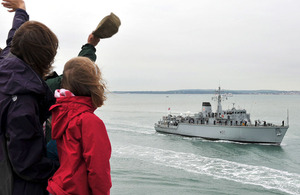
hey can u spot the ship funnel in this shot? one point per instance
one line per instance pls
(206, 108)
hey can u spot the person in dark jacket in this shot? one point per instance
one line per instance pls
(25, 100)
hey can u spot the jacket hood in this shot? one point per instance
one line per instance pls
(19, 78)
(65, 109)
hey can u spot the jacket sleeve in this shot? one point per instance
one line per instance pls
(25, 141)
(96, 153)
(54, 83)
(20, 17)
(88, 51)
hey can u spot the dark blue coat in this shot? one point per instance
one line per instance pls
(24, 106)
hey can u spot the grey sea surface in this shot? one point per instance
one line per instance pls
(146, 162)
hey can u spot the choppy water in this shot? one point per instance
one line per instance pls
(146, 162)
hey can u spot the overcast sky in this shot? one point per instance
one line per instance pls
(172, 44)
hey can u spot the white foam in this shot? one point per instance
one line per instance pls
(129, 124)
(218, 168)
(140, 131)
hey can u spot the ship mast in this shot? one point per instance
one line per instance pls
(219, 109)
(219, 98)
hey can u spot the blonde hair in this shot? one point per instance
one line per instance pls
(83, 78)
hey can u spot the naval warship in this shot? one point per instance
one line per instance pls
(231, 125)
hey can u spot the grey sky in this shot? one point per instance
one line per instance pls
(172, 44)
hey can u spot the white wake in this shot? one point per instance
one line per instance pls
(217, 168)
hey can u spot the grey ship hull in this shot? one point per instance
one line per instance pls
(248, 134)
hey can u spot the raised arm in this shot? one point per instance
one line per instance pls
(21, 16)
(89, 50)
(13, 5)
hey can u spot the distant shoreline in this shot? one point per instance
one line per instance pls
(213, 91)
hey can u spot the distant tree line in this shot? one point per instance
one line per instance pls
(212, 91)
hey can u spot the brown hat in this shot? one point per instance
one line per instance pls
(108, 26)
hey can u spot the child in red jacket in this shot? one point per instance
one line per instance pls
(83, 145)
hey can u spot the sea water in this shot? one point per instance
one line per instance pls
(146, 162)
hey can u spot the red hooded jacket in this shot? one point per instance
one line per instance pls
(83, 148)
